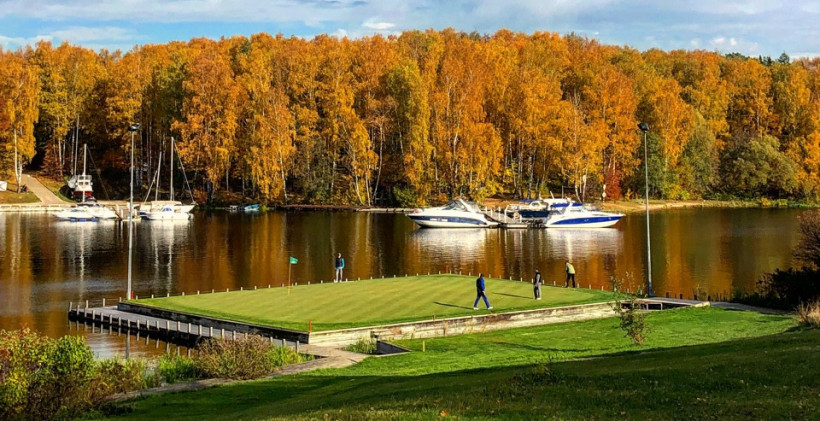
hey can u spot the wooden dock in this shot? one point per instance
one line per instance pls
(188, 334)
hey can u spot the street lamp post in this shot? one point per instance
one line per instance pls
(133, 129)
(645, 128)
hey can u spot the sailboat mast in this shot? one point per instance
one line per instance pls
(171, 165)
(85, 152)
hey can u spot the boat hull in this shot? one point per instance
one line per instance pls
(430, 221)
(585, 222)
(166, 216)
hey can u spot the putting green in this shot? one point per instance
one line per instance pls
(371, 302)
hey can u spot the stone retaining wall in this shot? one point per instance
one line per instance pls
(463, 325)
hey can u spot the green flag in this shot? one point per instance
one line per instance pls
(293, 260)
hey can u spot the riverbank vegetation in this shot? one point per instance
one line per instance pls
(371, 302)
(414, 118)
(43, 378)
(697, 363)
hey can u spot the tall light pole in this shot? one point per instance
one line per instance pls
(645, 128)
(133, 129)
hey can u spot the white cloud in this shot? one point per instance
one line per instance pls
(13, 43)
(84, 34)
(378, 26)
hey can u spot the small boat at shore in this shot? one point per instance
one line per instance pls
(576, 215)
(456, 214)
(75, 214)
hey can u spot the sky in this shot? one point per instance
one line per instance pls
(751, 27)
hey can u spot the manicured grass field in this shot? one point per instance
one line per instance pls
(371, 302)
(697, 364)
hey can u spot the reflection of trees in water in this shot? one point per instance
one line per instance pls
(584, 243)
(451, 247)
(164, 238)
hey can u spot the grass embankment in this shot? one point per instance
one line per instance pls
(56, 187)
(371, 302)
(11, 197)
(696, 364)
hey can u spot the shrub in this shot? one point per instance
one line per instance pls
(808, 250)
(43, 378)
(116, 375)
(809, 314)
(282, 355)
(245, 358)
(174, 368)
(632, 319)
(363, 346)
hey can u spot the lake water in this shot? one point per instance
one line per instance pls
(45, 264)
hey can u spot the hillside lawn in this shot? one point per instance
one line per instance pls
(371, 302)
(698, 363)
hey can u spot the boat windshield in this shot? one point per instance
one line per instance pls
(455, 205)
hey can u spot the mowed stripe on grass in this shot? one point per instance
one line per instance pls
(371, 302)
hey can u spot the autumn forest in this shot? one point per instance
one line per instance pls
(416, 118)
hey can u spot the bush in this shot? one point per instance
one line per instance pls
(363, 346)
(116, 375)
(245, 358)
(282, 355)
(43, 378)
(809, 314)
(174, 368)
(632, 319)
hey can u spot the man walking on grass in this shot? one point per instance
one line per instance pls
(339, 264)
(536, 285)
(480, 292)
(570, 275)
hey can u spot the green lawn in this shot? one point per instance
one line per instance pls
(697, 364)
(371, 302)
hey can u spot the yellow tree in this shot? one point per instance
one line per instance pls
(345, 137)
(270, 124)
(19, 90)
(209, 111)
(748, 83)
(468, 148)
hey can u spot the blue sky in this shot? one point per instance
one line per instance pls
(753, 27)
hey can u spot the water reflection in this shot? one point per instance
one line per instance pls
(581, 244)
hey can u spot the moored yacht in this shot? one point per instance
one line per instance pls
(75, 214)
(577, 216)
(98, 210)
(456, 214)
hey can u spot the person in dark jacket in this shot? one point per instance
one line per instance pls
(339, 264)
(480, 292)
(536, 284)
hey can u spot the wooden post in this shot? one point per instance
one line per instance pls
(197, 292)
(167, 294)
(183, 293)
(189, 328)
(103, 302)
(200, 330)
(241, 288)
(86, 304)
(211, 332)
(297, 346)
(222, 334)
(152, 296)
(167, 325)
(233, 335)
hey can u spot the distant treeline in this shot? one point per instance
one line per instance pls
(419, 117)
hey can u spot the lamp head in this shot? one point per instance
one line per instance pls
(644, 127)
(134, 127)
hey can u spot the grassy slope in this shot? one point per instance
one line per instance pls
(699, 363)
(11, 197)
(371, 302)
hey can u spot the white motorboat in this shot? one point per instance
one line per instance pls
(167, 213)
(456, 214)
(98, 210)
(75, 214)
(578, 216)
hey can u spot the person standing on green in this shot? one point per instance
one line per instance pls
(536, 284)
(339, 264)
(570, 275)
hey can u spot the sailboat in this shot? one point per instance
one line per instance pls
(81, 183)
(170, 210)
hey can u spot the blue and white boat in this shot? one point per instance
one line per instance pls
(535, 209)
(575, 215)
(456, 214)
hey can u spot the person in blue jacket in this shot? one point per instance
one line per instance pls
(339, 264)
(480, 292)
